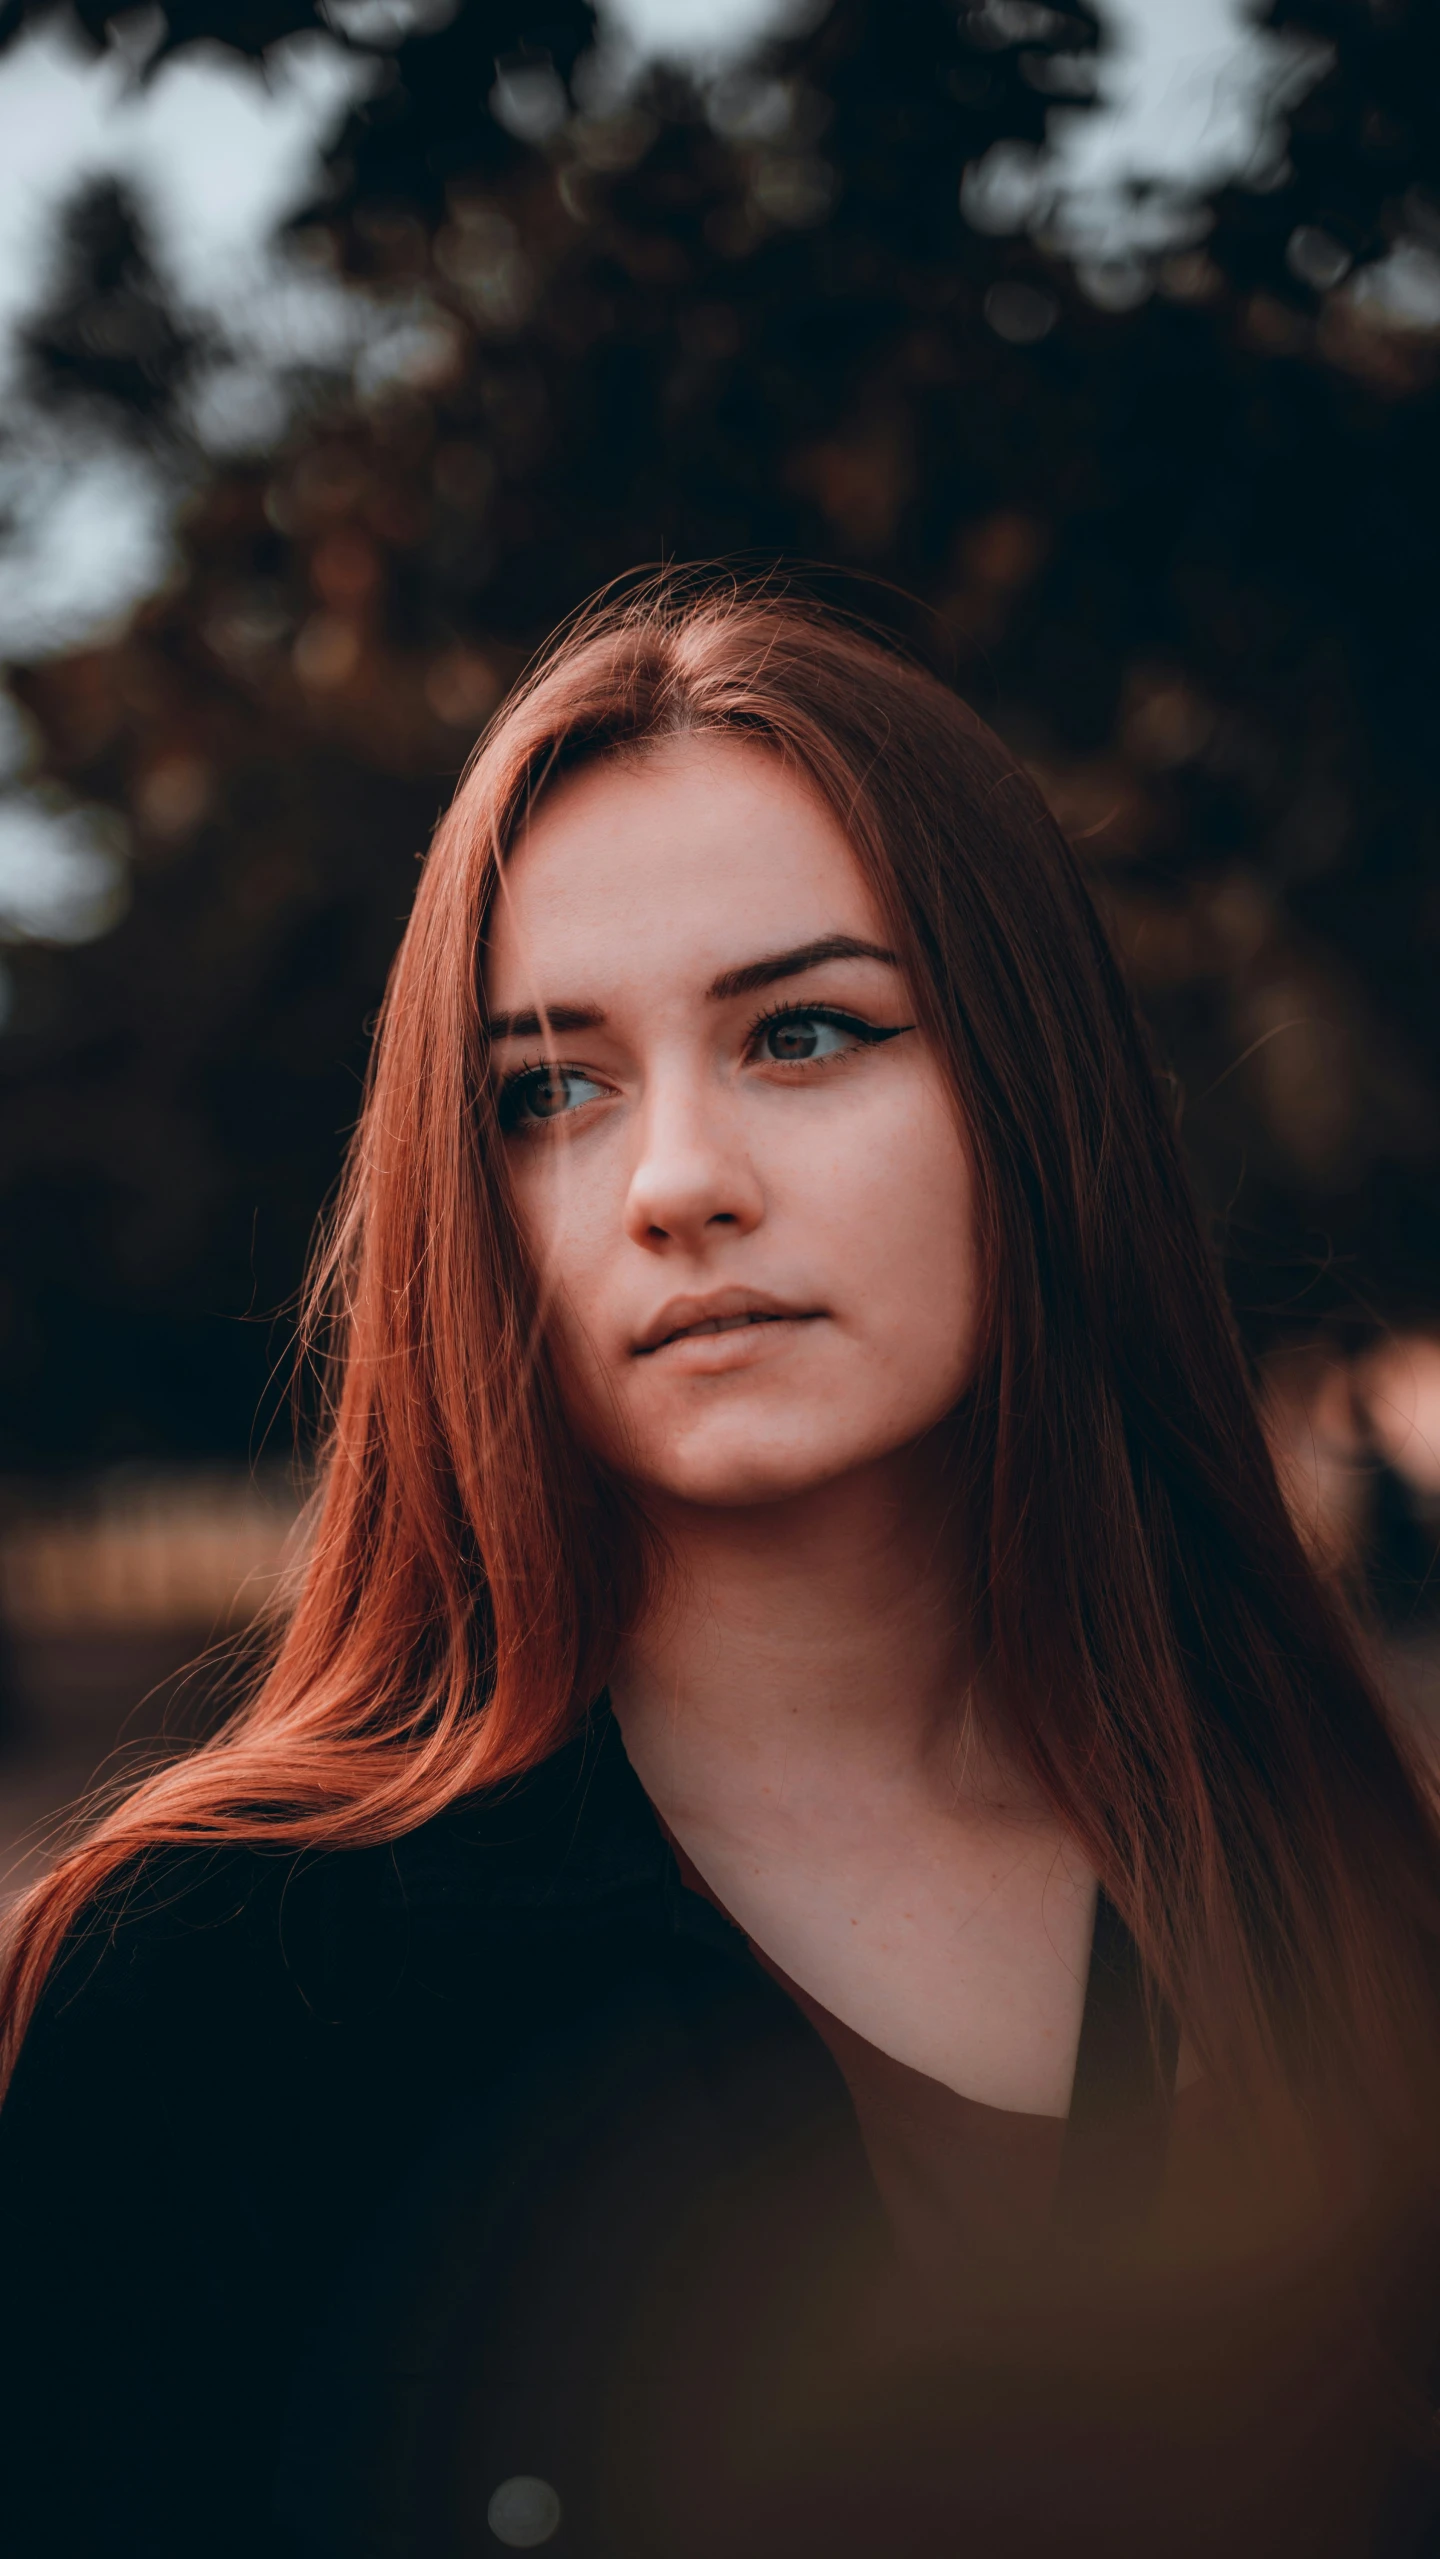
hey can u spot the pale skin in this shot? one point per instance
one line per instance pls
(690, 1146)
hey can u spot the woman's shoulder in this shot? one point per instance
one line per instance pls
(204, 1986)
(184, 1942)
(173, 1935)
(216, 1925)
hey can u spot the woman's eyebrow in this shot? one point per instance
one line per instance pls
(531, 1025)
(810, 955)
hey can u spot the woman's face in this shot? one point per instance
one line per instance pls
(736, 1159)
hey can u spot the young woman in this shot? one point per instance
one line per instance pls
(815, 1942)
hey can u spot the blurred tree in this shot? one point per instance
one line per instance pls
(107, 340)
(1176, 533)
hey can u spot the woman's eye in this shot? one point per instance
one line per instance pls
(792, 1039)
(546, 1093)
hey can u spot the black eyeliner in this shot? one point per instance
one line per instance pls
(872, 1033)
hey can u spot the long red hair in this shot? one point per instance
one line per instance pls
(1183, 1690)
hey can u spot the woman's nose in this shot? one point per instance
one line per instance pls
(694, 1175)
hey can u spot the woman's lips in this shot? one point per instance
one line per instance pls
(731, 1329)
(727, 1341)
(718, 1311)
(720, 1324)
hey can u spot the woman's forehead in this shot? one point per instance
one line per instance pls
(684, 864)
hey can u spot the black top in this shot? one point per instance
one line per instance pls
(340, 2194)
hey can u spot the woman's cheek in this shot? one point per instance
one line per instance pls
(557, 1221)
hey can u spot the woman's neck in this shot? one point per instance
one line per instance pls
(798, 1707)
(809, 1644)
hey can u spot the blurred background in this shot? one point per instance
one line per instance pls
(344, 348)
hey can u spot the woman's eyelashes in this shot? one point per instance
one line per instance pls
(535, 1095)
(812, 1034)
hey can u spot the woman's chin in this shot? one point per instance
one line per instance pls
(723, 1473)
